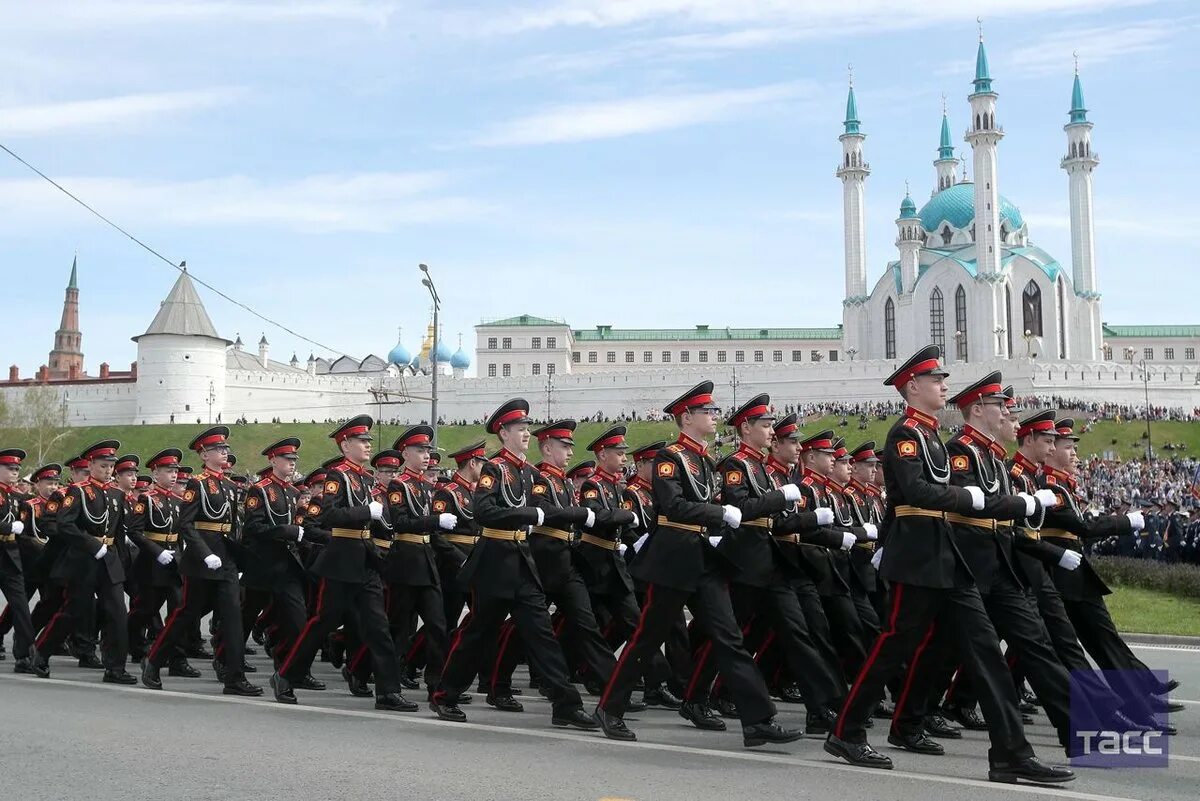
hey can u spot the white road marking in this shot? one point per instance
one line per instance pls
(1054, 791)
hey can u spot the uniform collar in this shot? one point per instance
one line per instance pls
(637, 481)
(776, 466)
(928, 421)
(986, 441)
(96, 483)
(557, 472)
(1025, 464)
(512, 458)
(459, 478)
(751, 453)
(1059, 475)
(208, 473)
(699, 448)
(352, 467)
(817, 478)
(414, 475)
(6, 487)
(604, 475)
(858, 486)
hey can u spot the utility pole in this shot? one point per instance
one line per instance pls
(1146, 388)
(427, 281)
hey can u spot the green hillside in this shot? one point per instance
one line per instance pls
(1125, 438)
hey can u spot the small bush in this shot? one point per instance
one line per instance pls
(1181, 580)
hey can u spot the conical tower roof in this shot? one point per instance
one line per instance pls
(182, 313)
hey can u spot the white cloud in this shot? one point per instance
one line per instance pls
(1052, 54)
(374, 202)
(109, 113)
(89, 14)
(607, 119)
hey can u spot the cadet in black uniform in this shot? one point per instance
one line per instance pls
(90, 521)
(930, 582)
(31, 545)
(209, 570)
(502, 578)
(12, 574)
(680, 566)
(454, 497)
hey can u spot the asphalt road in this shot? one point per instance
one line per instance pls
(71, 737)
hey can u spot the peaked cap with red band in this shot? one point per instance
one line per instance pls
(12, 456)
(757, 408)
(865, 453)
(926, 361)
(1037, 423)
(821, 441)
(511, 411)
(77, 463)
(1010, 396)
(209, 438)
(788, 427)
(649, 451)
(1064, 428)
(698, 397)
(582, 470)
(612, 438)
(476, 450)
(420, 436)
(560, 429)
(50, 471)
(990, 386)
(285, 447)
(357, 427)
(185, 471)
(839, 450)
(387, 459)
(101, 450)
(435, 458)
(127, 463)
(143, 482)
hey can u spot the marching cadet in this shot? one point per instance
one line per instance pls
(455, 497)
(154, 528)
(601, 560)
(761, 588)
(502, 577)
(90, 521)
(12, 575)
(208, 569)
(125, 479)
(410, 567)
(930, 580)
(31, 544)
(273, 573)
(680, 566)
(348, 566)
(863, 490)
(848, 514)
(1082, 588)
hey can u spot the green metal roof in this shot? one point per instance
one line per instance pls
(945, 148)
(908, 209)
(1151, 330)
(983, 76)
(527, 320)
(1078, 112)
(851, 121)
(702, 334)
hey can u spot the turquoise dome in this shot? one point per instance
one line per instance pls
(399, 355)
(442, 354)
(908, 208)
(956, 205)
(460, 360)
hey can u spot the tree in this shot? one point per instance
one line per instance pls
(41, 416)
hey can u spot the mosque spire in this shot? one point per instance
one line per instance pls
(851, 121)
(983, 75)
(1078, 110)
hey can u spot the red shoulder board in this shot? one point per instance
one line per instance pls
(497, 460)
(806, 481)
(1016, 470)
(676, 448)
(964, 439)
(911, 423)
(1051, 480)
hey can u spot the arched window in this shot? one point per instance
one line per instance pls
(1031, 309)
(960, 322)
(978, 124)
(889, 329)
(1062, 321)
(937, 319)
(947, 235)
(1008, 317)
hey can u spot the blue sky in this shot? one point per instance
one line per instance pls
(568, 158)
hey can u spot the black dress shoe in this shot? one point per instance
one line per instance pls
(724, 707)
(662, 697)
(248, 668)
(40, 664)
(859, 754)
(447, 710)
(250, 651)
(884, 711)
(790, 694)
(199, 652)
(757, 734)
(938, 726)
(614, 728)
(820, 720)
(308, 682)
(358, 687)
(395, 702)
(1026, 719)
(1172, 685)
(219, 669)
(118, 677)
(967, 718)
(1026, 708)
(91, 662)
(1161, 705)
(183, 669)
(916, 742)
(1028, 697)
(576, 719)
(701, 716)
(1030, 769)
(150, 678)
(257, 636)
(23, 666)
(635, 706)
(465, 698)
(505, 703)
(282, 689)
(408, 682)
(239, 686)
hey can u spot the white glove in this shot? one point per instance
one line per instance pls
(541, 516)
(848, 541)
(714, 541)
(824, 516)
(1070, 560)
(637, 521)
(165, 558)
(1047, 498)
(1030, 503)
(622, 548)
(376, 510)
(591, 519)
(977, 498)
(101, 553)
(447, 521)
(300, 534)
(637, 545)
(732, 516)
(872, 531)
(18, 527)
(212, 562)
(791, 492)
(1137, 520)
(877, 558)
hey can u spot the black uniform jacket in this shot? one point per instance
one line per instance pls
(598, 555)
(91, 516)
(1067, 528)
(497, 568)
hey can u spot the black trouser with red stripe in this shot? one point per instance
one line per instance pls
(13, 586)
(711, 607)
(334, 600)
(404, 604)
(846, 631)
(143, 610)
(531, 622)
(625, 613)
(916, 613)
(79, 604)
(200, 596)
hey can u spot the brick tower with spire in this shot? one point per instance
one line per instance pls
(66, 360)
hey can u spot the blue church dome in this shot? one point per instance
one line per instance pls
(460, 360)
(442, 354)
(956, 205)
(399, 355)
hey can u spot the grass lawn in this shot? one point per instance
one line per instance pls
(1150, 612)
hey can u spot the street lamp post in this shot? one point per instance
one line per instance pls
(1146, 389)
(549, 387)
(212, 398)
(427, 281)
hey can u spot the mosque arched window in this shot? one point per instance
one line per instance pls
(889, 329)
(960, 323)
(937, 319)
(978, 123)
(1031, 309)
(947, 235)
(1008, 316)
